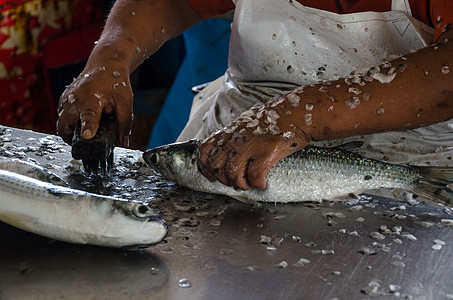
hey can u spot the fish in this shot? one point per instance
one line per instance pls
(75, 216)
(311, 174)
(31, 170)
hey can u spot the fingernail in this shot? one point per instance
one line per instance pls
(87, 134)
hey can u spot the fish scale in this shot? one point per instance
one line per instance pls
(311, 174)
(328, 173)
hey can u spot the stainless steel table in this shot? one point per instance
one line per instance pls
(370, 247)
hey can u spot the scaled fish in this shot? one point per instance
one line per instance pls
(311, 174)
(30, 169)
(75, 216)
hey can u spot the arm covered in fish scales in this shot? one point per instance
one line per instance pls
(409, 92)
(134, 30)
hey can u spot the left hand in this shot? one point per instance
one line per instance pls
(240, 156)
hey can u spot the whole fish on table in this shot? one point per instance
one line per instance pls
(76, 216)
(311, 174)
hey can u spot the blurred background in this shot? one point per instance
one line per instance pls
(45, 44)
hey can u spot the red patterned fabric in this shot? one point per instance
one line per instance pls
(25, 28)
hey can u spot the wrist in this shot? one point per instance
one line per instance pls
(109, 56)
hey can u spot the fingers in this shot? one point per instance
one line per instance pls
(89, 121)
(244, 162)
(66, 124)
(257, 171)
(87, 98)
(204, 152)
(228, 162)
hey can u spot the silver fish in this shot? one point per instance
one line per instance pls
(311, 174)
(76, 216)
(31, 170)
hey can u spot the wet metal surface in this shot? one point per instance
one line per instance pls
(218, 248)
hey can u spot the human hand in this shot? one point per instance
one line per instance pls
(241, 154)
(95, 91)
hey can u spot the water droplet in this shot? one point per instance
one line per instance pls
(184, 283)
(133, 13)
(309, 106)
(154, 271)
(445, 70)
(330, 108)
(116, 74)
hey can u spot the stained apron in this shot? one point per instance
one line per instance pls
(277, 45)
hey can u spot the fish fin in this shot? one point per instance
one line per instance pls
(241, 198)
(351, 145)
(435, 184)
(343, 198)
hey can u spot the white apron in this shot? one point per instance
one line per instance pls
(277, 45)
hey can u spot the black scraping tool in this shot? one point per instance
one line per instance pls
(97, 153)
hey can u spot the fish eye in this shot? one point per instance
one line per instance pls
(154, 158)
(142, 210)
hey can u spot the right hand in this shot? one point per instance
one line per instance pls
(95, 91)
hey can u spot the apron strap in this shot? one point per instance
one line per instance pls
(403, 6)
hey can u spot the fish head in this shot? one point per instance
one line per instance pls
(174, 160)
(147, 225)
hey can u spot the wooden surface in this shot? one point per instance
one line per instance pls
(225, 249)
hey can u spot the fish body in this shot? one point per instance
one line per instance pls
(31, 170)
(76, 216)
(311, 174)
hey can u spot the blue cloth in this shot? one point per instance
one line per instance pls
(206, 59)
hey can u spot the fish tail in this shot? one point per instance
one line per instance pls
(435, 184)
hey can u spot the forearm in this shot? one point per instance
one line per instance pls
(420, 93)
(135, 30)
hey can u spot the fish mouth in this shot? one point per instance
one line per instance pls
(163, 225)
(159, 222)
